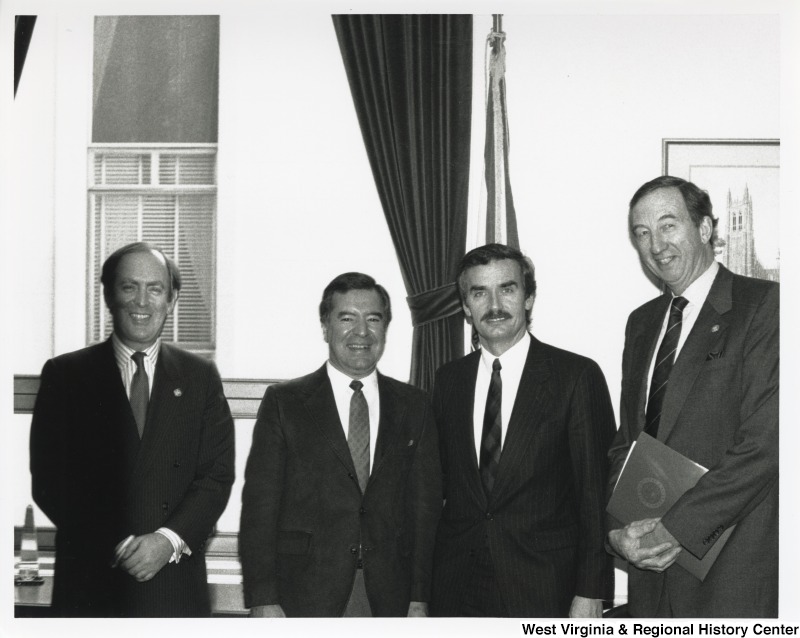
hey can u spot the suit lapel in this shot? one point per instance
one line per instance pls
(106, 381)
(645, 341)
(321, 407)
(391, 423)
(534, 396)
(463, 421)
(709, 330)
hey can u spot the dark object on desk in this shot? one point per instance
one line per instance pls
(27, 570)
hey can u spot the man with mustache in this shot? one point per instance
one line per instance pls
(524, 428)
(343, 486)
(132, 455)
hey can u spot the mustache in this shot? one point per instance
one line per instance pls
(495, 314)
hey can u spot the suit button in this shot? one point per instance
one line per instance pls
(353, 549)
(472, 553)
(176, 464)
(489, 516)
(362, 511)
(164, 505)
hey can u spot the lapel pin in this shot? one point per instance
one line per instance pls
(715, 328)
(177, 392)
(411, 442)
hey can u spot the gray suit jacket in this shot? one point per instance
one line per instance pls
(721, 411)
(304, 515)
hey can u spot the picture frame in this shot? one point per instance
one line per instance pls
(742, 177)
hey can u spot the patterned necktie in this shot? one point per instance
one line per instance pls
(492, 430)
(140, 392)
(358, 433)
(663, 366)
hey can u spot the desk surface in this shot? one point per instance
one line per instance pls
(224, 585)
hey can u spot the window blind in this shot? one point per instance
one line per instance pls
(165, 196)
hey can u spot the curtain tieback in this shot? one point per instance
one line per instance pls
(434, 304)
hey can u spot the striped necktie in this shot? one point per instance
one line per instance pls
(492, 430)
(664, 361)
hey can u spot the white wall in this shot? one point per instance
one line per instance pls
(297, 202)
(590, 98)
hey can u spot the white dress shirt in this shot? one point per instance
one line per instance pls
(127, 368)
(342, 393)
(512, 362)
(696, 295)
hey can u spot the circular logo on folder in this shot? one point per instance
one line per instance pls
(651, 492)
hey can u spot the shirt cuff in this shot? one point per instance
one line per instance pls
(178, 546)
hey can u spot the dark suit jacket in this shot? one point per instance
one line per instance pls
(721, 411)
(303, 513)
(544, 521)
(98, 482)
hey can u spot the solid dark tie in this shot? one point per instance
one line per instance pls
(492, 430)
(358, 433)
(663, 366)
(140, 392)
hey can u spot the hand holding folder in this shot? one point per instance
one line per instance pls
(652, 480)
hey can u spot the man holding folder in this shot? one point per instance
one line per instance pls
(700, 374)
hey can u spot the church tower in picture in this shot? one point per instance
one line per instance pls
(740, 252)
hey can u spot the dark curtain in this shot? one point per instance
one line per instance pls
(411, 81)
(23, 30)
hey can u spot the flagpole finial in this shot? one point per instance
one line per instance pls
(497, 22)
(496, 35)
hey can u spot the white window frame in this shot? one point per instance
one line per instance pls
(147, 185)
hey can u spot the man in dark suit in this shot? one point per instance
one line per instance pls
(343, 486)
(132, 455)
(524, 429)
(717, 404)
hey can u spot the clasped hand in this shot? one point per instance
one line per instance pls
(144, 556)
(646, 544)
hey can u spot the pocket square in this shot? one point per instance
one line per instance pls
(714, 354)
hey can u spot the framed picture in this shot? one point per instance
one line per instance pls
(742, 179)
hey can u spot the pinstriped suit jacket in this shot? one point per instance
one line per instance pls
(544, 521)
(721, 411)
(98, 482)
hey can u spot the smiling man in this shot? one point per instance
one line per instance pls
(700, 373)
(343, 486)
(524, 428)
(132, 455)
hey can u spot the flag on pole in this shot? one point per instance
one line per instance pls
(501, 221)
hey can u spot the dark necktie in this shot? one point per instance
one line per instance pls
(140, 392)
(358, 433)
(663, 366)
(492, 430)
